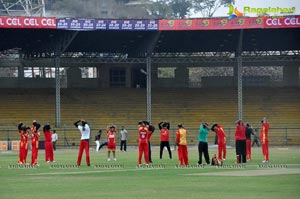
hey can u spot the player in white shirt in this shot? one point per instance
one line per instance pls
(54, 139)
(84, 142)
(123, 137)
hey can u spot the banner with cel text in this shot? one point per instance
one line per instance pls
(282, 22)
(27, 22)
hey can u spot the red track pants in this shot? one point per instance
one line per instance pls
(34, 152)
(221, 150)
(23, 152)
(143, 148)
(49, 151)
(183, 155)
(84, 145)
(265, 150)
(248, 149)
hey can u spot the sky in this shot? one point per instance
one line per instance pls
(240, 4)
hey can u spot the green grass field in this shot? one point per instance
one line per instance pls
(278, 179)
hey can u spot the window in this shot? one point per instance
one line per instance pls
(8, 72)
(88, 72)
(41, 72)
(117, 77)
(166, 72)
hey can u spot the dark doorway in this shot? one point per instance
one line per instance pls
(138, 78)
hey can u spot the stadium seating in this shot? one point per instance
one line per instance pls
(124, 106)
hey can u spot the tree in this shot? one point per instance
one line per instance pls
(133, 9)
(99, 9)
(209, 7)
(181, 8)
(171, 9)
(160, 9)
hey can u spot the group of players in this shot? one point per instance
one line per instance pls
(242, 137)
(25, 135)
(243, 141)
(145, 131)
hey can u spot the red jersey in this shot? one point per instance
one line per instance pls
(111, 137)
(35, 134)
(181, 136)
(164, 135)
(264, 132)
(143, 134)
(23, 135)
(221, 134)
(240, 132)
(149, 134)
(48, 136)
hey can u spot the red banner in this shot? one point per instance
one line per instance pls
(282, 22)
(226, 24)
(211, 24)
(27, 22)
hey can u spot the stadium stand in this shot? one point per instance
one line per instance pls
(124, 106)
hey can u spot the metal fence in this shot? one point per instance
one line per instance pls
(70, 137)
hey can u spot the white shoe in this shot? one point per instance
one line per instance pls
(115, 159)
(224, 159)
(108, 159)
(265, 161)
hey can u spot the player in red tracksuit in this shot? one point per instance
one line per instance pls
(240, 141)
(164, 128)
(48, 144)
(249, 132)
(151, 129)
(111, 142)
(143, 143)
(23, 150)
(181, 140)
(218, 129)
(34, 142)
(264, 139)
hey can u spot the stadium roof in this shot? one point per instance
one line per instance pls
(162, 40)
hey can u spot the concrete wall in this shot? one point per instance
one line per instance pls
(216, 81)
(291, 75)
(26, 83)
(248, 81)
